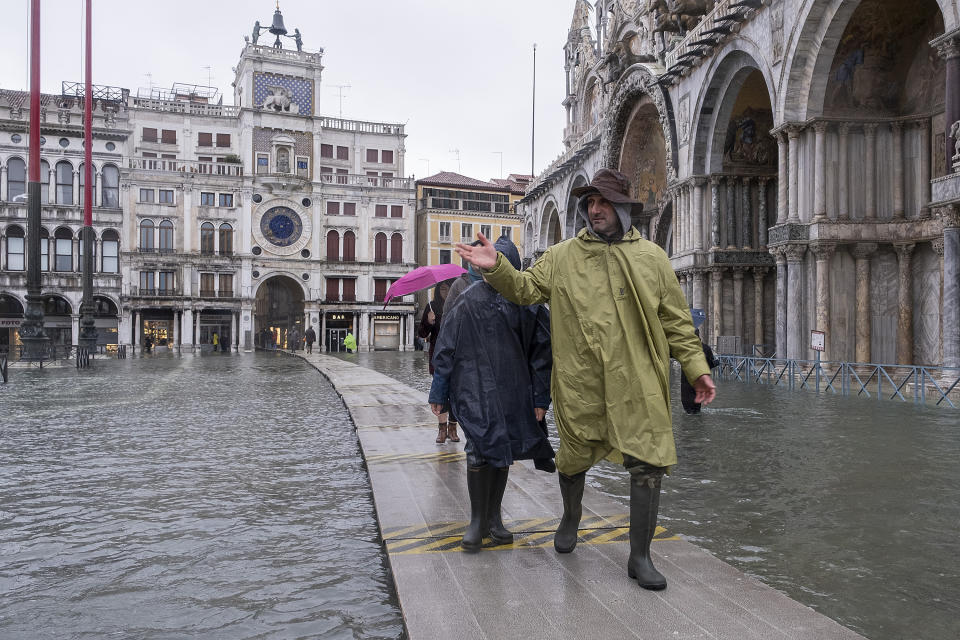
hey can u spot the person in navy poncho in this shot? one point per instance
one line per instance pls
(492, 366)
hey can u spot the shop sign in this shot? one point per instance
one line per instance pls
(338, 316)
(10, 323)
(390, 316)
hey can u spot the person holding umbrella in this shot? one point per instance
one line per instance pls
(429, 330)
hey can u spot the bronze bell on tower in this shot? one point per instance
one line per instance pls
(277, 28)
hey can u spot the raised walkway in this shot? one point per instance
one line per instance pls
(527, 590)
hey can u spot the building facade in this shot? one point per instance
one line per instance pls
(785, 152)
(251, 221)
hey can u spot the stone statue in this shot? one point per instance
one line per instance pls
(283, 161)
(298, 39)
(678, 16)
(955, 134)
(256, 31)
(279, 100)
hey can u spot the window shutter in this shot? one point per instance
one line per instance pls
(343, 153)
(372, 155)
(349, 289)
(333, 246)
(169, 136)
(380, 248)
(333, 289)
(349, 208)
(396, 248)
(205, 139)
(396, 211)
(223, 139)
(349, 247)
(386, 156)
(379, 289)
(149, 134)
(333, 208)
(381, 211)
(326, 150)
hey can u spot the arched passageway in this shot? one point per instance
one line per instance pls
(278, 312)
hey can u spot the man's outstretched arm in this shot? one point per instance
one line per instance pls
(520, 287)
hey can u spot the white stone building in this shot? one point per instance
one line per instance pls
(249, 221)
(785, 151)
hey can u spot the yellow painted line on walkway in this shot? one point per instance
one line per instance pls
(440, 456)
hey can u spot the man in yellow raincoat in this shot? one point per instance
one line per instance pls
(617, 315)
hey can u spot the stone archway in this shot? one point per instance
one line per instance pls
(551, 228)
(278, 311)
(574, 221)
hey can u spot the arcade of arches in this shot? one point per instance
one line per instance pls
(788, 167)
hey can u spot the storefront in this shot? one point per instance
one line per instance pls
(157, 329)
(11, 316)
(387, 334)
(337, 326)
(105, 321)
(215, 321)
(58, 321)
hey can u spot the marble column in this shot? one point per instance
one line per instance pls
(681, 218)
(783, 177)
(176, 331)
(820, 172)
(699, 281)
(716, 298)
(682, 279)
(738, 304)
(687, 208)
(323, 331)
(951, 294)
(762, 212)
(869, 167)
(781, 306)
(905, 300)
(843, 179)
(861, 254)
(234, 327)
(698, 213)
(137, 333)
(3, 183)
(923, 131)
(186, 333)
(746, 221)
(896, 129)
(823, 253)
(795, 342)
(75, 329)
(758, 275)
(731, 212)
(676, 221)
(793, 210)
(715, 212)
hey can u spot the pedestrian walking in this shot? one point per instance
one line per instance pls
(430, 323)
(617, 314)
(216, 341)
(350, 342)
(309, 338)
(499, 401)
(688, 395)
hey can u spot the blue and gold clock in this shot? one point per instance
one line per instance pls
(281, 227)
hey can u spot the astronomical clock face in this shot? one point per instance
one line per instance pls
(281, 229)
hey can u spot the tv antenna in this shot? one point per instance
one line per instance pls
(340, 88)
(456, 152)
(209, 75)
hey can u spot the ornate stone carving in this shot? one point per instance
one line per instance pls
(904, 250)
(863, 250)
(823, 250)
(787, 233)
(795, 252)
(949, 47)
(937, 245)
(949, 216)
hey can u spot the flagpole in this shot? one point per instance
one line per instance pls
(88, 333)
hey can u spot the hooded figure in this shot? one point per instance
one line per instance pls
(617, 313)
(495, 393)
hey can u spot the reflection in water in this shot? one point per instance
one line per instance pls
(849, 506)
(214, 496)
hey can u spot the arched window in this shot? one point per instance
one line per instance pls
(226, 239)
(93, 173)
(80, 250)
(333, 246)
(207, 237)
(111, 187)
(111, 252)
(104, 307)
(16, 256)
(56, 306)
(44, 182)
(63, 250)
(16, 178)
(166, 237)
(146, 235)
(396, 248)
(380, 247)
(10, 306)
(64, 182)
(349, 246)
(44, 249)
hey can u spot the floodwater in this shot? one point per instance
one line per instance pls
(849, 506)
(214, 496)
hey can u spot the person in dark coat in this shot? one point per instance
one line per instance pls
(429, 330)
(500, 395)
(687, 393)
(310, 337)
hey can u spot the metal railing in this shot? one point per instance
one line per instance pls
(907, 383)
(182, 106)
(174, 165)
(356, 180)
(83, 358)
(4, 370)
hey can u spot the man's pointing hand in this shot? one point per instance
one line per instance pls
(483, 256)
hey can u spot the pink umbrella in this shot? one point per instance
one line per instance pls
(422, 278)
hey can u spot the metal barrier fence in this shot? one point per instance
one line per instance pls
(4, 371)
(83, 358)
(921, 385)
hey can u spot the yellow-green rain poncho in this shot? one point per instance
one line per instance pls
(617, 314)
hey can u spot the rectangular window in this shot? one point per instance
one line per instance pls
(396, 211)
(206, 285)
(303, 166)
(223, 139)
(44, 253)
(372, 178)
(326, 174)
(326, 150)
(380, 289)
(207, 199)
(15, 254)
(386, 156)
(349, 289)
(149, 154)
(204, 139)
(466, 232)
(444, 256)
(111, 252)
(263, 163)
(486, 230)
(226, 285)
(445, 233)
(333, 289)
(165, 282)
(507, 232)
(146, 283)
(147, 195)
(166, 196)
(381, 211)
(349, 208)
(343, 153)
(333, 208)
(373, 155)
(168, 136)
(226, 199)
(149, 135)
(342, 176)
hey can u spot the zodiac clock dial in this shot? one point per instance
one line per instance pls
(281, 226)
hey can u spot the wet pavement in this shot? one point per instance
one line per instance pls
(213, 496)
(849, 506)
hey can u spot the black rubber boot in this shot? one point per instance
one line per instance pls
(498, 533)
(571, 490)
(644, 504)
(479, 480)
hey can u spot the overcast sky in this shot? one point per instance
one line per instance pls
(458, 73)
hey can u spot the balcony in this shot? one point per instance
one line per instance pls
(473, 206)
(208, 293)
(181, 106)
(355, 180)
(361, 126)
(167, 165)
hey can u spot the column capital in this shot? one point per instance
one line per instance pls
(760, 272)
(821, 126)
(715, 180)
(794, 252)
(897, 126)
(870, 128)
(843, 129)
(904, 249)
(778, 254)
(921, 123)
(793, 131)
(698, 181)
(738, 273)
(763, 180)
(747, 179)
(937, 245)
(823, 250)
(947, 45)
(716, 273)
(949, 216)
(863, 250)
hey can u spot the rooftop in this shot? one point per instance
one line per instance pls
(451, 179)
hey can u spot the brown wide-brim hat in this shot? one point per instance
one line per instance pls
(612, 185)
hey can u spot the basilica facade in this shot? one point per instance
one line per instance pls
(795, 160)
(251, 221)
